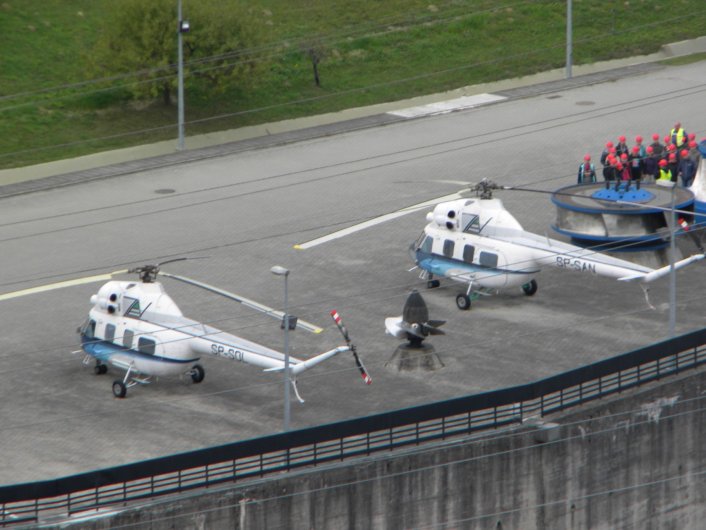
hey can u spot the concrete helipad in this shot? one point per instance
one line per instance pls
(242, 212)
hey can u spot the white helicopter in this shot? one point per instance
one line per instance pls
(138, 328)
(478, 243)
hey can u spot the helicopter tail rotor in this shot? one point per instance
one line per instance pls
(339, 322)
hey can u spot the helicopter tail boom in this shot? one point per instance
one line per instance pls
(301, 366)
(663, 271)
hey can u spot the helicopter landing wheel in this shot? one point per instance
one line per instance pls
(432, 284)
(463, 302)
(197, 373)
(530, 288)
(119, 389)
(100, 369)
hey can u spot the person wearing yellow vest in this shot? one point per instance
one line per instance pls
(678, 135)
(665, 173)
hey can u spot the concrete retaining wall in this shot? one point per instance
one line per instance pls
(633, 462)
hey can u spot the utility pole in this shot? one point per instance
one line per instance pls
(569, 37)
(183, 27)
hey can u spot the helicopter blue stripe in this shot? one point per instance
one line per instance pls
(104, 350)
(442, 265)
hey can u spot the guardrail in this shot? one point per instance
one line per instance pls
(27, 503)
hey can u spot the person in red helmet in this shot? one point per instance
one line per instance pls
(623, 170)
(650, 168)
(686, 169)
(606, 152)
(657, 146)
(622, 147)
(673, 165)
(636, 164)
(694, 152)
(665, 174)
(640, 146)
(609, 172)
(587, 171)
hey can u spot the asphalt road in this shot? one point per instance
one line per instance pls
(243, 212)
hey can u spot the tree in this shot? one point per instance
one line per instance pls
(139, 39)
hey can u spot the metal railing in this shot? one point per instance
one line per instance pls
(26, 503)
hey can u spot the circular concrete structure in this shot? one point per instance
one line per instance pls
(620, 219)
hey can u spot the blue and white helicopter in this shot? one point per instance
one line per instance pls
(136, 327)
(478, 243)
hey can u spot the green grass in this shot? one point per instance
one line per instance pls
(374, 51)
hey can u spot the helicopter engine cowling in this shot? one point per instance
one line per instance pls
(446, 216)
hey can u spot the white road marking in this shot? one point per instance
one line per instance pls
(444, 107)
(376, 221)
(60, 285)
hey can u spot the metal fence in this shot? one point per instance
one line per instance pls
(27, 503)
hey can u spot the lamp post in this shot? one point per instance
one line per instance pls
(672, 275)
(183, 28)
(569, 38)
(281, 271)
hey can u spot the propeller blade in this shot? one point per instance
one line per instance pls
(61, 285)
(339, 323)
(279, 315)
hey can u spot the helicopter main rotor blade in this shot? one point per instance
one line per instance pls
(61, 285)
(257, 306)
(377, 220)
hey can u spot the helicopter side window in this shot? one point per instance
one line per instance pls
(471, 223)
(488, 259)
(127, 338)
(109, 332)
(468, 252)
(449, 248)
(146, 346)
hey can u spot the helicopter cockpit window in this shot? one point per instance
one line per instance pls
(449, 248)
(470, 223)
(424, 243)
(488, 259)
(109, 332)
(468, 252)
(127, 338)
(89, 328)
(146, 346)
(427, 244)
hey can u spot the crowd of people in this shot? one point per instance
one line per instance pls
(664, 161)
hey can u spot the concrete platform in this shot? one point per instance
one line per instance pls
(242, 211)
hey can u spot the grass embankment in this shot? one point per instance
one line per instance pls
(373, 52)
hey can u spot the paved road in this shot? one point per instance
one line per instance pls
(244, 210)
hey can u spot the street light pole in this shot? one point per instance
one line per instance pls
(569, 38)
(281, 271)
(672, 272)
(182, 28)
